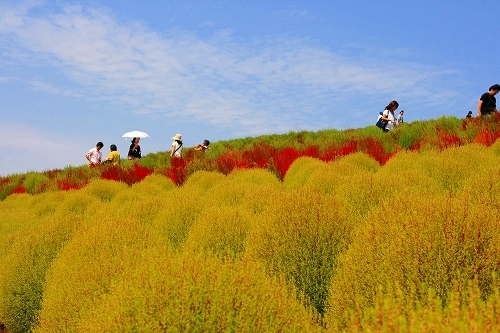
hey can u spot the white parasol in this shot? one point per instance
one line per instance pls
(135, 134)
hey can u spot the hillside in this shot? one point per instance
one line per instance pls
(272, 152)
(329, 231)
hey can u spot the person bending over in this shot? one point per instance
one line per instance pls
(113, 157)
(203, 146)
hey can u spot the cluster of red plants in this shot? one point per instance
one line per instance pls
(486, 137)
(263, 155)
(128, 176)
(447, 139)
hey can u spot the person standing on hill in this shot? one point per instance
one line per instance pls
(134, 150)
(94, 155)
(388, 115)
(400, 117)
(176, 146)
(487, 104)
(114, 156)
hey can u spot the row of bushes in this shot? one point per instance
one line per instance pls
(348, 245)
(272, 152)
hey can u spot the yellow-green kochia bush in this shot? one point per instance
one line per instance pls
(419, 246)
(101, 253)
(300, 237)
(194, 293)
(221, 231)
(410, 246)
(33, 245)
(104, 190)
(397, 311)
(173, 221)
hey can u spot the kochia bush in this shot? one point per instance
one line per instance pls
(356, 235)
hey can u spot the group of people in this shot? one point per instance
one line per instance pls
(387, 120)
(486, 106)
(177, 146)
(94, 156)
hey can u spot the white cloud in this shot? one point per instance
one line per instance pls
(258, 85)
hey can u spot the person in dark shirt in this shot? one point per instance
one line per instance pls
(134, 150)
(488, 103)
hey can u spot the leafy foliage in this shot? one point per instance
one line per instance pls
(333, 231)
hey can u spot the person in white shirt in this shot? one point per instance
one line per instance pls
(388, 115)
(176, 146)
(94, 155)
(400, 117)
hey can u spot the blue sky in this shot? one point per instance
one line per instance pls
(76, 72)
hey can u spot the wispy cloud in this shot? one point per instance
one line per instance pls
(261, 85)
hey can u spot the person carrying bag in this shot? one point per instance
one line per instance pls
(387, 121)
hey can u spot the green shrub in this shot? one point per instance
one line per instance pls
(104, 190)
(32, 248)
(221, 231)
(427, 242)
(34, 180)
(196, 294)
(101, 252)
(300, 237)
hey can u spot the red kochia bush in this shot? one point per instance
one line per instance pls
(375, 149)
(228, 161)
(284, 159)
(334, 152)
(260, 155)
(447, 139)
(486, 137)
(20, 189)
(66, 184)
(177, 171)
(4, 180)
(128, 176)
(74, 179)
(141, 172)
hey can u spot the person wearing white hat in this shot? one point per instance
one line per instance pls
(176, 146)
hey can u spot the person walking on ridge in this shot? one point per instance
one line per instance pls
(487, 104)
(388, 115)
(400, 117)
(94, 155)
(176, 146)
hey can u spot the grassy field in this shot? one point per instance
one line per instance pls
(330, 231)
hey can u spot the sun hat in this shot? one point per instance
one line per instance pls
(177, 137)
